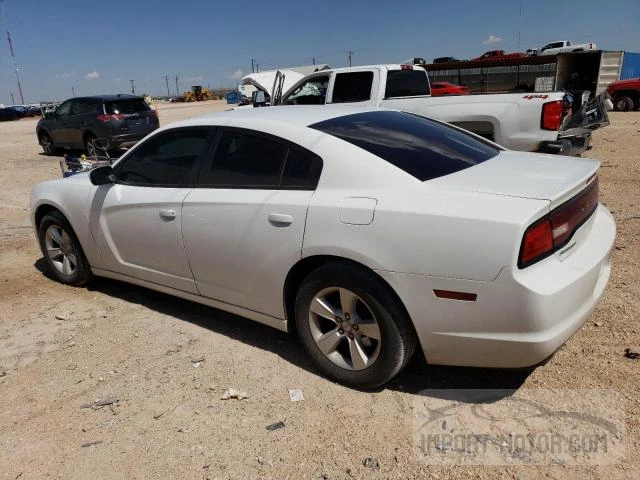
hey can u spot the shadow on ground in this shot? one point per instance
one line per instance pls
(416, 377)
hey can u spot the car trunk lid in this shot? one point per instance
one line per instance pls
(525, 175)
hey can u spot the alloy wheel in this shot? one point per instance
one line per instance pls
(47, 144)
(60, 250)
(344, 328)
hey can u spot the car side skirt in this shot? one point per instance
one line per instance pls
(277, 323)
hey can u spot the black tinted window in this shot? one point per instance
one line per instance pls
(301, 170)
(421, 147)
(167, 159)
(124, 107)
(64, 109)
(247, 161)
(352, 87)
(406, 83)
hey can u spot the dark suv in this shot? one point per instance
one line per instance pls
(78, 122)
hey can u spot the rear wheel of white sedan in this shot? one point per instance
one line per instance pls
(62, 250)
(355, 329)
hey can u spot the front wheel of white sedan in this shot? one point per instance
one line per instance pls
(352, 326)
(62, 250)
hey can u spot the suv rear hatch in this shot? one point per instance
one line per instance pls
(130, 116)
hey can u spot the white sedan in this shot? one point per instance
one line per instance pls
(369, 232)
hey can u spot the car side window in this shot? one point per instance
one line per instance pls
(245, 160)
(249, 160)
(301, 170)
(63, 110)
(168, 159)
(352, 87)
(311, 92)
(76, 107)
(90, 106)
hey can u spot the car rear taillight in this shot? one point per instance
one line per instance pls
(406, 67)
(552, 115)
(107, 118)
(554, 231)
(537, 243)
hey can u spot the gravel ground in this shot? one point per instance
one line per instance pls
(167, 362)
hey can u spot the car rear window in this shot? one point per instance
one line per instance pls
(124, 107)
(406, 83)
(421, 147)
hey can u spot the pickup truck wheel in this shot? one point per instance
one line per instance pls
(623, 103)
(355, 331)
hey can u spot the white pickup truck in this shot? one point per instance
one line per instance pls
(565, 46)
(518, 121)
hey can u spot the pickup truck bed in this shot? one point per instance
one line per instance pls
(519, 121)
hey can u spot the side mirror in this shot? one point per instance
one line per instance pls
(102, 175)
(259, 99)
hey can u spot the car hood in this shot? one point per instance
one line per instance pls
(525, 175)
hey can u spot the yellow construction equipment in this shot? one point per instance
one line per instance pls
(198, 94)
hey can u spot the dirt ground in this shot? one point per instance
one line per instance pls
(167, 362)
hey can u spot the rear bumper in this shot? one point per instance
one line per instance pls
(128, 140)
(570, 146)
(520, 318)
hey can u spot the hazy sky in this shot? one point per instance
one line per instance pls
(98, 46)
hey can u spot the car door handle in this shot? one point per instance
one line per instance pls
(280, 220)
(167, 214)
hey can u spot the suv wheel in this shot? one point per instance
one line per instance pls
(90, 145)
(47, 144)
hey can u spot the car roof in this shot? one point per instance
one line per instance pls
(109, 98)
(297, 115)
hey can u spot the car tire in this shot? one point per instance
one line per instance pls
(89, 145)
(623, 103)
(48, 147)
(62, 250)
(369, 340)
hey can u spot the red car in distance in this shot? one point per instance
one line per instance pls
(499, 55)
(439, 89)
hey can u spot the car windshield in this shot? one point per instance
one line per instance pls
(419, 146)
(123, 107)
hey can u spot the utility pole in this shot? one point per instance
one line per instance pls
(177, 89)
(133, 88)
(19, 86)
(257, 67)
(350, 55)
(73, 92)
(166, 79)
(252, 67)
(314, 60)
(519, 25)
(13, 101)
(13, 56)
